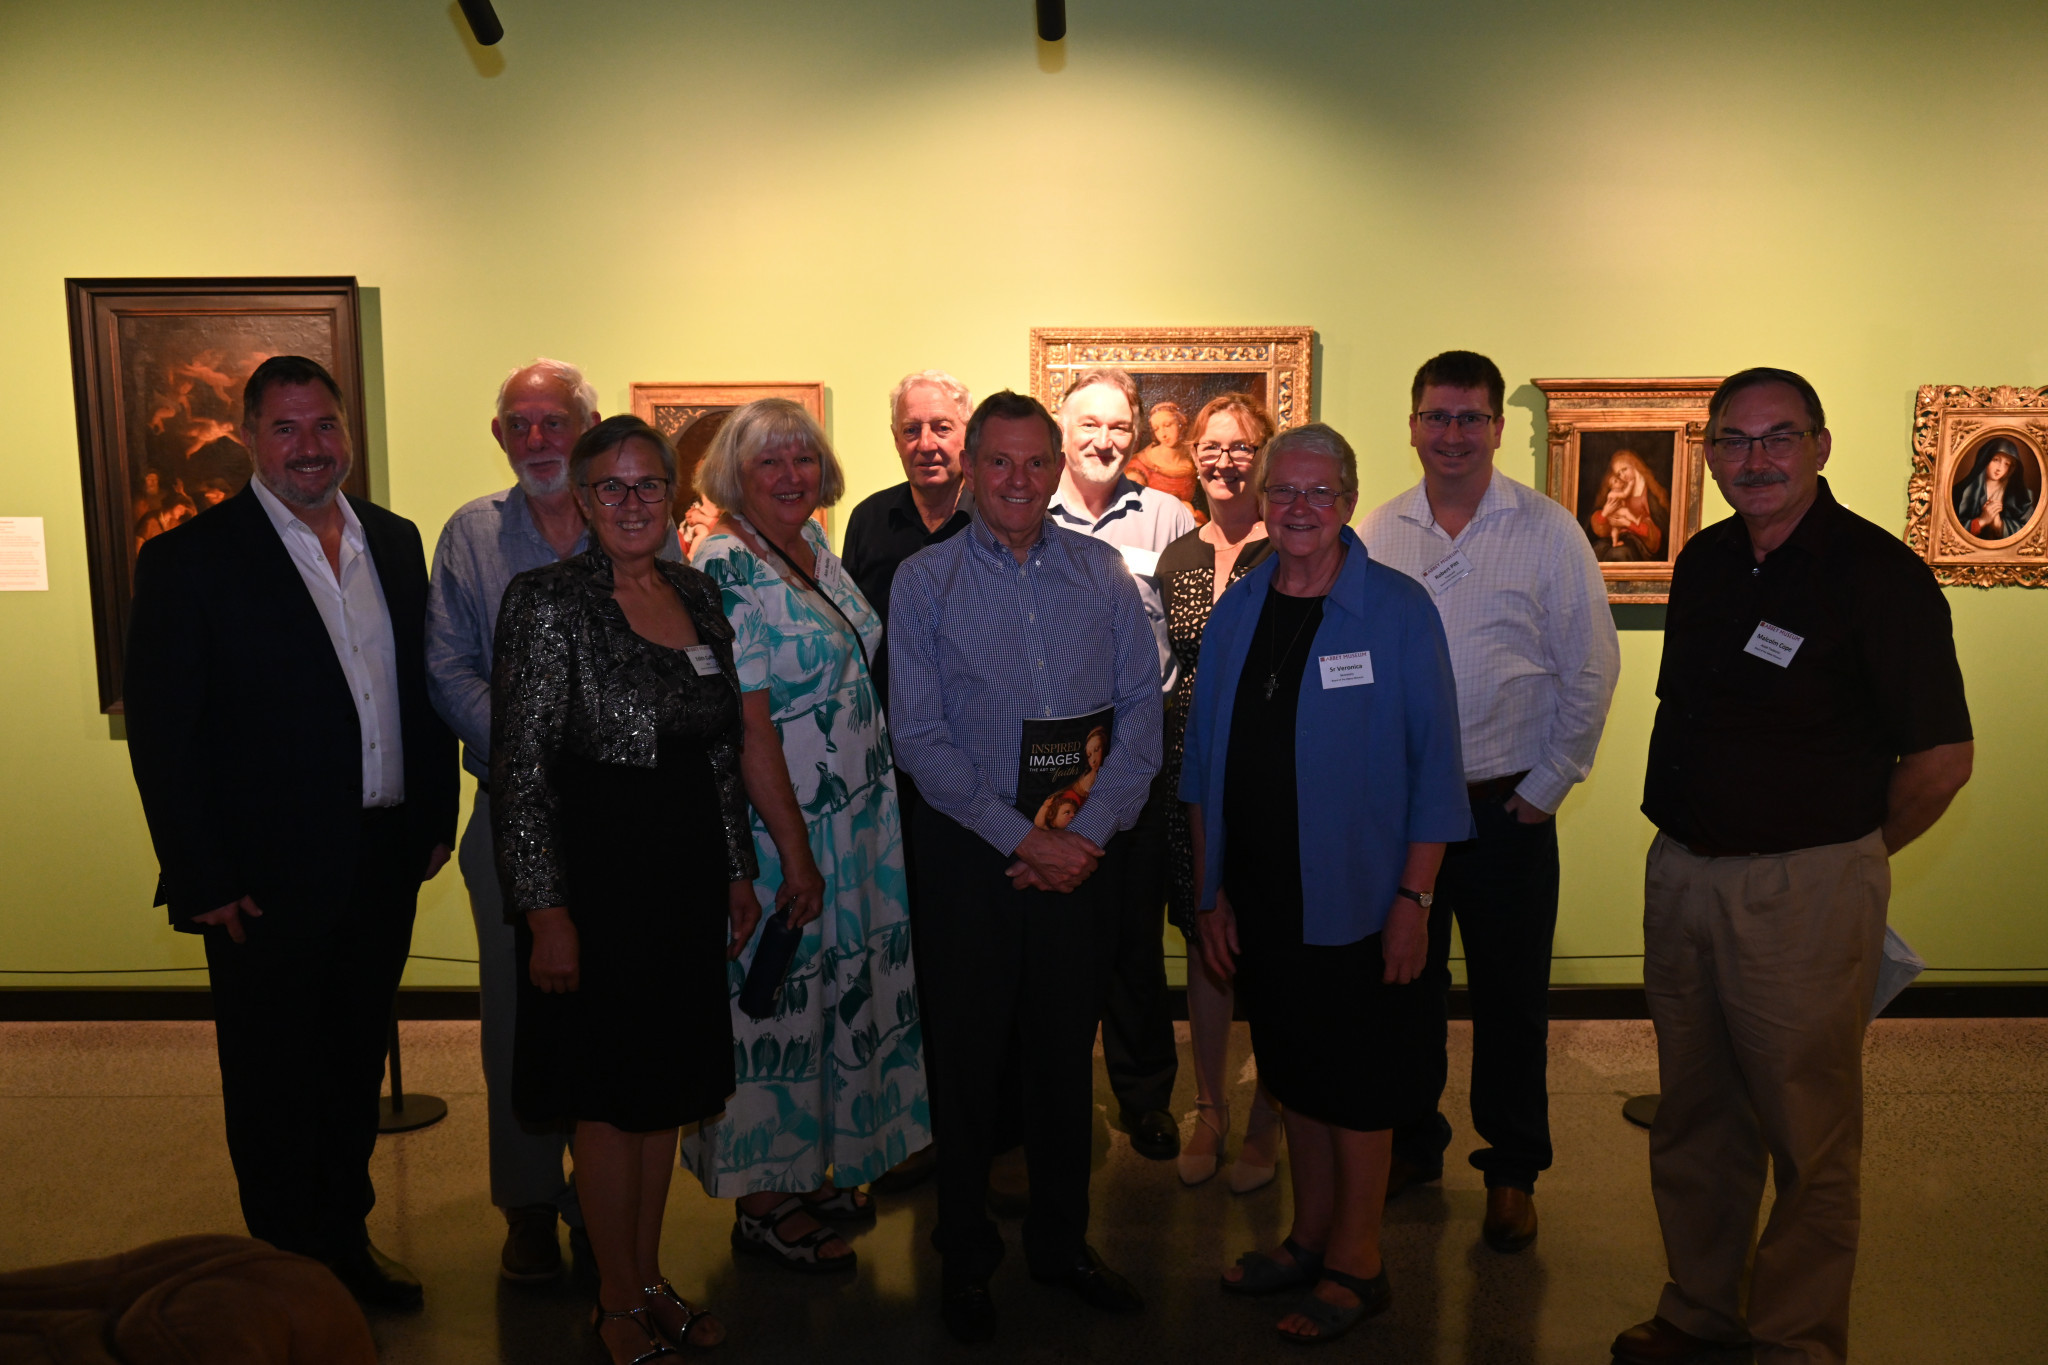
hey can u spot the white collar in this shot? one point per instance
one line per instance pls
(284, 519)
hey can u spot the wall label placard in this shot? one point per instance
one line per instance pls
(24, 564)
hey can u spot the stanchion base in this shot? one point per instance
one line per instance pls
(1641, 1110)
(419, 1111)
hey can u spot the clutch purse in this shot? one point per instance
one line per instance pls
(772, 957)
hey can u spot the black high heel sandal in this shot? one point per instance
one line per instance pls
(658, 1349)
(692, 1317)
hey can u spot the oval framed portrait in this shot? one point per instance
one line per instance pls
(1995, 487)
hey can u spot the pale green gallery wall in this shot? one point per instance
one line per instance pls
(842, 191)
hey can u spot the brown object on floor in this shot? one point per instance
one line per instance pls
(1510, 1219)
(221, 1300)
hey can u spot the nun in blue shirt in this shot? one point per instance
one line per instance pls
(1323, 777)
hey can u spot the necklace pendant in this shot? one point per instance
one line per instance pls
(1272, 685)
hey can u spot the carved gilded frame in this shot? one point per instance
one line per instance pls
(1951, 424)
(1586, 416)
(1283, 358)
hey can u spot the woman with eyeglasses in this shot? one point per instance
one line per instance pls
(628, 864)
(832, 1085)
(1322, 769)
(1193, 572)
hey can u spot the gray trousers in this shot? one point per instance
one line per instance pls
(526, 1166)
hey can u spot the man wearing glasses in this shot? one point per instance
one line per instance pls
(1810, 723)
(1099, 428)
(542, 408)
(1535, 655)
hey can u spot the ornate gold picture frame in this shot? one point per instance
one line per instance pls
(690, 416)
(1184, 366)
(1627, 458)
(1974, 504)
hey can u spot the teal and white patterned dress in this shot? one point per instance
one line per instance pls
(834, 1082)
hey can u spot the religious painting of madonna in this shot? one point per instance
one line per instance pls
(1627, 456)
(157, 368)
(1974, 500)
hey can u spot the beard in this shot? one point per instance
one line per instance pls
(1100, 473)
(307, 497)
(535, 486)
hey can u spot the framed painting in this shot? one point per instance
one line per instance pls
(157, 368)
(1974, 505)
(1628, 458)
(690, 416)
(1178, 369)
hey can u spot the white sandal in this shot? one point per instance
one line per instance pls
(1197, 1167)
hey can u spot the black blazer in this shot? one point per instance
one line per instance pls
(241, 730)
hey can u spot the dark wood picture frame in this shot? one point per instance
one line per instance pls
(157, 367)
(1660, 425)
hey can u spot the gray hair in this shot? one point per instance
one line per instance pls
(1109, 375)
(1317, 438)
(931, 379)
(763, 423)
(570, 378)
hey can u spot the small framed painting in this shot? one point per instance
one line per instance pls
(157, 368)
(690, 416)
(1974, 505)
(1628, 458)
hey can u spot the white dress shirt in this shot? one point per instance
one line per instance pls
(1532, 641)
(1139, 522)
(352, 608)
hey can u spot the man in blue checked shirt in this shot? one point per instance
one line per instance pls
(1017, 618)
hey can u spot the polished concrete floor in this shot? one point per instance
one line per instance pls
(113, 1136)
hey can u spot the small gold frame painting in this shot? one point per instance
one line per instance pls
(1184, 366)
(1974, 504)
(1627, 458)
(690, 416)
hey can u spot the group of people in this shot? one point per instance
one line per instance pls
(1312, 746)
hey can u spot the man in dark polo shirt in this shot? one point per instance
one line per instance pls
(1810, 723)
(928, 414)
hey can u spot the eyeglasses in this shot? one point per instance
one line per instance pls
(1208, 452)
(1436, 419)
(612, 492)
(1283, 495)
(1777, 445)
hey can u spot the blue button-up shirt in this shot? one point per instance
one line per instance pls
(979, 641)
(1376, 765)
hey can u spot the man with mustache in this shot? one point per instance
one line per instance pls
(1099, 428)
(542, 408)
(298, 788)
(1535, 655)
(1810, 723)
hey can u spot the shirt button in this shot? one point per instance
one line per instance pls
(373, 744)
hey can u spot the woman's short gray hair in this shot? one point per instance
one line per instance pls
(1317, 438)
(931, 379)
(570, 378)
(761, 424)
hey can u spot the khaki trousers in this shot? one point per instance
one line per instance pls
(1760, 973)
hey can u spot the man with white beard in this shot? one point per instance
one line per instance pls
(1098, 421)
(542, 408)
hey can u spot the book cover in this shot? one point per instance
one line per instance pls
(1056, 768)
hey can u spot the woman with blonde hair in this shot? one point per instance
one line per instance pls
(832, 1085)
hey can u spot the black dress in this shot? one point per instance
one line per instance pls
(1187, 577)
(617, 796)
(1333, 1041)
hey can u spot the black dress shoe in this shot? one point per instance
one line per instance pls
(1087, 1276)
(1404, 1175)
(968, 1310)
(376, 1279)
(1153, 1134)
(531, 1252)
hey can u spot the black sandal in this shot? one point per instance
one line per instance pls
(662, 1289)
(757, 1236)
(1331, 1320)
(657, 1349)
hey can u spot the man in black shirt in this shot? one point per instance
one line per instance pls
(1810, 723)
(928, 414)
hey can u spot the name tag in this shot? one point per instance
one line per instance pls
(1447, 572)
(1346, 670)
(703, 660)
(1142, 563)
(1774, 644)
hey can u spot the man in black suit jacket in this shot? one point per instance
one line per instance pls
(299, 787)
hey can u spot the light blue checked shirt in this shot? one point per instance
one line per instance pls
(978, 641)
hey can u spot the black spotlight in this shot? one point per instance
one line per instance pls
(483, 20)
(1052, 19)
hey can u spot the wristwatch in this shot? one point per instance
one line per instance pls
(1425, 899)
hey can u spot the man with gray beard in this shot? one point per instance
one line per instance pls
(542, 408)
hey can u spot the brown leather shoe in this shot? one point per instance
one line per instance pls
(1404, 1175)
(1510, 1219)
(531, 1252)
(1657, 1342)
